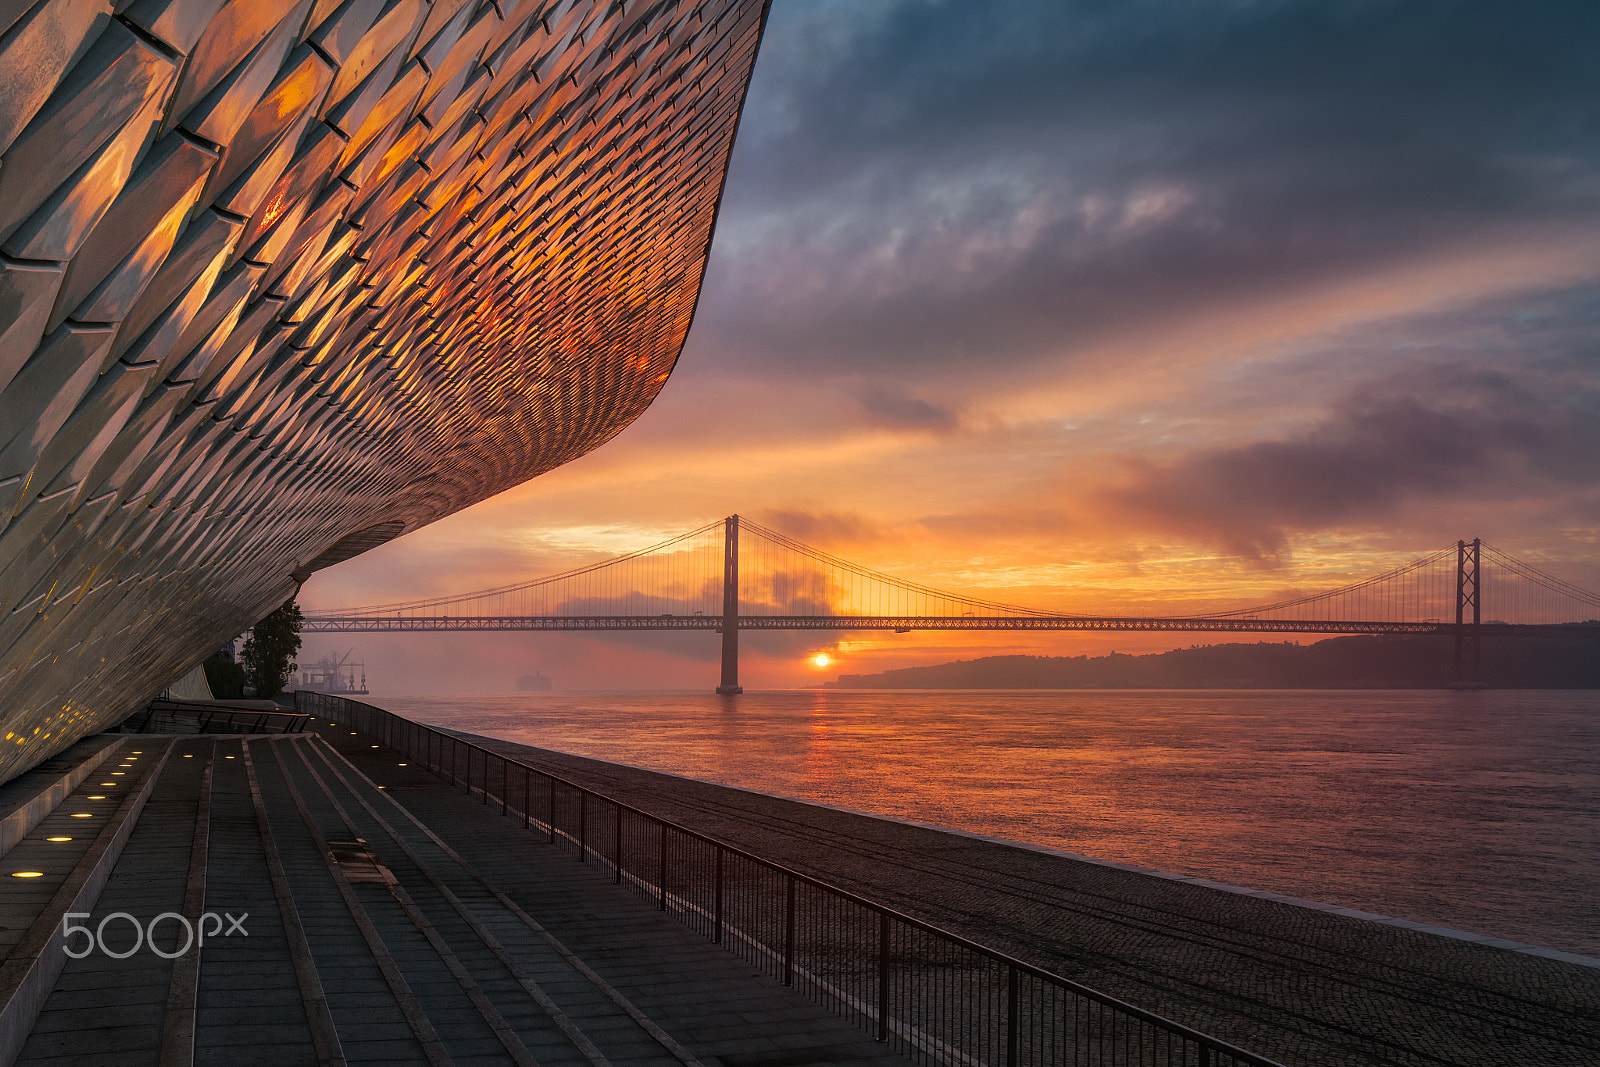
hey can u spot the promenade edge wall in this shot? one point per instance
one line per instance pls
(280, 281)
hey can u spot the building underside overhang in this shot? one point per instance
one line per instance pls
(284, 280)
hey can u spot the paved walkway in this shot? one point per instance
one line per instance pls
(353, 924)
(1305, 987)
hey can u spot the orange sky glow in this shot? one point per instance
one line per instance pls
(929, 380)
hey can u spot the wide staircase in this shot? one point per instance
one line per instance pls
(267, 900)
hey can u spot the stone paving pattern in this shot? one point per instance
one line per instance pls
(1300, 985)
(422, 970)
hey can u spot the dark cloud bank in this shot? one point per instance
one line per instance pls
(947, 184)
(1506, 411)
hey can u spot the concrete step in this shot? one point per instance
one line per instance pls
(558, 1012)
(710, 1005)
(345, 928)
(31, 796)
(59, 867)
(116, 996)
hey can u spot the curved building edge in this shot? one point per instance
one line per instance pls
(280, 282)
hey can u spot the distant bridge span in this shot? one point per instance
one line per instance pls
(366, 624)
(693, 583)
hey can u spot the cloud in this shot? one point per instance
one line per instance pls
(976, 187)
(1048, 302)
(1440, 438)
(894, 406)
(823, 529)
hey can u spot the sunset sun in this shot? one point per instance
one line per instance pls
(821, 660)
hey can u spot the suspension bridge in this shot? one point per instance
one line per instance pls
(734, 574)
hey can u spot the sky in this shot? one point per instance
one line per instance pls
(1121, 306)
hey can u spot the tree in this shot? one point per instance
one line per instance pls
(225, 677)
(270, 648)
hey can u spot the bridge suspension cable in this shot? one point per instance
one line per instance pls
(681, 574)
(1516, 591)
(1417, 591)
(696, 581)
(783, 577)
(792, 578)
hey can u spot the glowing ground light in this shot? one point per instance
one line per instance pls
(27, 874)
(188, 755)
(227, 757)
(118, 772)
(402, 764)
(95, 797)
(58, 839)
(374, 746)
(83, 815)
(108, 785)
(821, 659)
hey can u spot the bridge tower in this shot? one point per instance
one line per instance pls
(1469, 589)
(730, 607)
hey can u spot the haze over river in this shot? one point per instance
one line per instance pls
(1478, 811)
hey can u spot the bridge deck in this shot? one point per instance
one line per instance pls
(1303, 986)
(713, 623)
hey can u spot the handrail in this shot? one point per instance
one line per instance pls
(209, 713)
(912, 1038)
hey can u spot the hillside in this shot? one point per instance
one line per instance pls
(1386, 662)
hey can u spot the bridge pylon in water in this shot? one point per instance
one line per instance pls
(730, 608)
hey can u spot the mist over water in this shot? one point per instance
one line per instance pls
(1478, 810)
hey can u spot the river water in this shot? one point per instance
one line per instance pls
(1478, 810)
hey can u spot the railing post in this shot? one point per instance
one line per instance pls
(505, 771)
(883, 976)
(527, 788)
(716, 907)
(661, 873)
(618, 860)
(1013, 1015)
(1205, 1056)
(583, 827)
(552, 810)
(788, 935)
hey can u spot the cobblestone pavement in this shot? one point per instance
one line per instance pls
(1304, 986)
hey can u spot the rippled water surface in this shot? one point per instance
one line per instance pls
(1478, 811)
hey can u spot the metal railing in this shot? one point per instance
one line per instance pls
(164, 715)
(934, 996)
